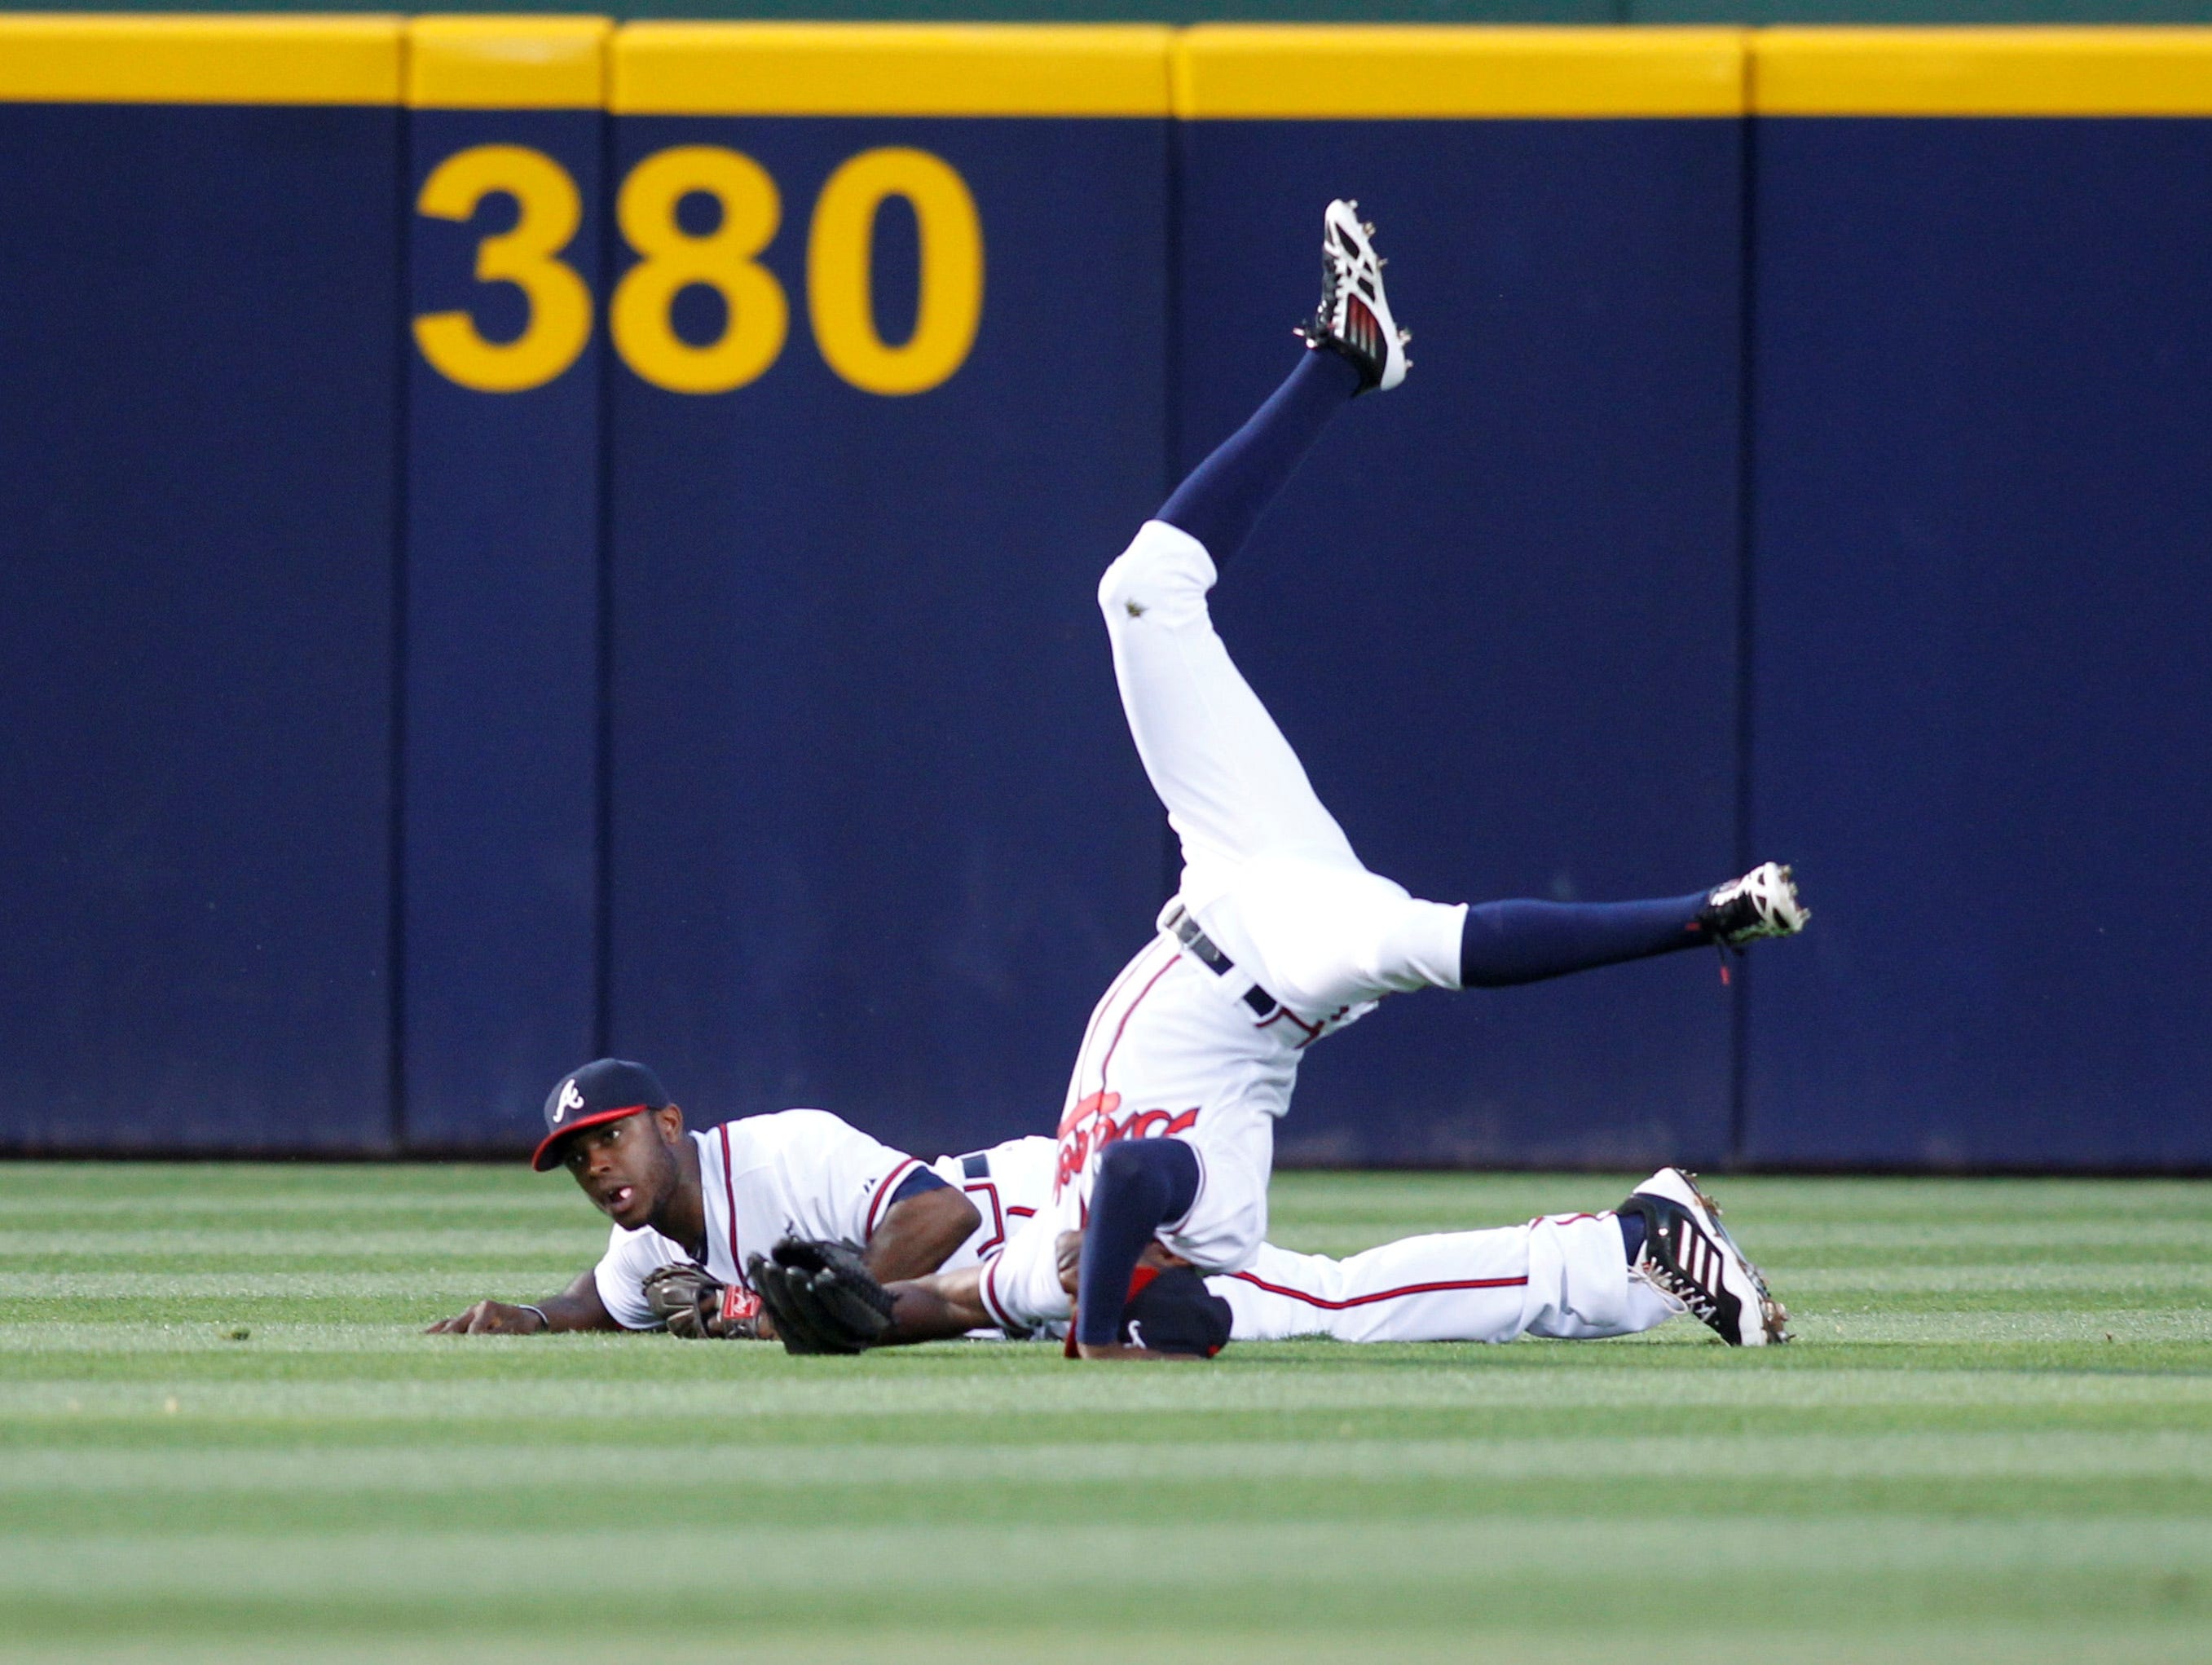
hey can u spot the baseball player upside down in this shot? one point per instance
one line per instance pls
(1278, 935)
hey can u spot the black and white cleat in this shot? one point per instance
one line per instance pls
(1354, 316)
(1689, 1258)
(1762, 904)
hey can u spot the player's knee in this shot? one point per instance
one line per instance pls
(1122, 588)
(1162, 572)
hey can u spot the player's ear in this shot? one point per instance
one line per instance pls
(669, 1118)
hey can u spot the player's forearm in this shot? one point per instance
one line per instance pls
(576, 1308)
(937, 1309)
(917, 1235)
(511, 1318)
(565, 1312)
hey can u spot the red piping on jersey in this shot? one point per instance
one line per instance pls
(890, 1184)
(1022, 1214)
(998, 1215)
(1121, 979)
(1380, 1295)
(1121, 1028)
(1311, 1032)
(730, 1197)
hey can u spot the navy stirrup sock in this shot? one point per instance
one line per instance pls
(1504, 943)
(1225, 496)
(1142, 1185)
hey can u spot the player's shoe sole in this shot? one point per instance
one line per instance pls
(1354, 316)
(1764, 902)
(1689, 1257)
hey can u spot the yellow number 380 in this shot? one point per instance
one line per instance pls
(840, 266)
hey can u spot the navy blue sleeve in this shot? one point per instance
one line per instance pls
(918, 1180)
(1504, 943)
(1141, 1185)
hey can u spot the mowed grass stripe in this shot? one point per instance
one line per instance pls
(1382, 1578)
(1231, 1639)
(508, 1379)
(2096, 1455)
(66, 1494)
(846, 1558)
(1347, 1505)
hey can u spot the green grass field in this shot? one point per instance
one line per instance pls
(224, 1438)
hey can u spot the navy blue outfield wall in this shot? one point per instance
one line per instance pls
(1984, 417)
(200, 519)
(523, 538)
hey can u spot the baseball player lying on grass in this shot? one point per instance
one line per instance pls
(689, 1211)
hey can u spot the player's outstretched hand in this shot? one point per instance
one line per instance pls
(490, 1318)
(820, 1296)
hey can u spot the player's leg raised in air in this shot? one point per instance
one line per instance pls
(1273, 900)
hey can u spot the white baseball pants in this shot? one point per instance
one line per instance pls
(1564, 1276)
(1267, 870)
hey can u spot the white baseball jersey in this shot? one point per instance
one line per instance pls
(810, 1174)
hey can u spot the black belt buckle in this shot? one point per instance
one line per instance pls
(1198, 943)
(1186, 933)
(975, 1165)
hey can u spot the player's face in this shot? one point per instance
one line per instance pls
(626, 1168)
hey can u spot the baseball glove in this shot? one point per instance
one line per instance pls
(698, 1307)
(820, 1296)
